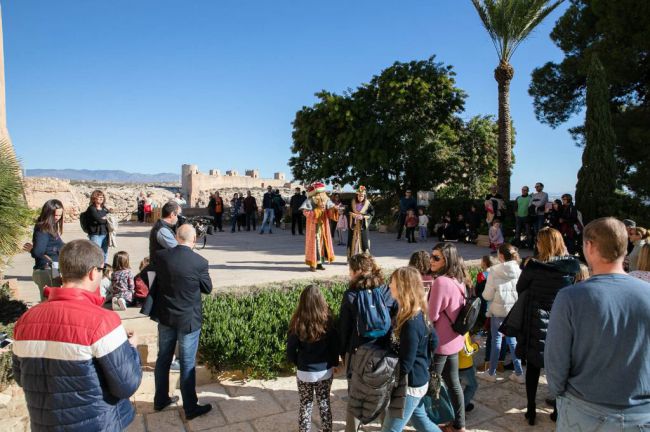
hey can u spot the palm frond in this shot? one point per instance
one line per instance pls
(14, 213)
(510, 22)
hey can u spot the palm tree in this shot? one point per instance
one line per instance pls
(509, 22)
(14, 213)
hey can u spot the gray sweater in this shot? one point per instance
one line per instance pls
(598, 342)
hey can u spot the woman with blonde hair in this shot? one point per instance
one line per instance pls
(541, 279)
(639, 236)
(415, 339)
(643, 264)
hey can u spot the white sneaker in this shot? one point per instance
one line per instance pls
(119, 304)
(487, 377)
(519, 379)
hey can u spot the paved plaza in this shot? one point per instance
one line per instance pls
(245, 259)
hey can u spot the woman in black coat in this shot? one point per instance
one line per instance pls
(540, 281)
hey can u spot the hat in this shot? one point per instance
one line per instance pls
(315, 188)
(361, 190)
(629, 223)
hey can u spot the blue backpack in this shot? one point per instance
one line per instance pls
(373, 317)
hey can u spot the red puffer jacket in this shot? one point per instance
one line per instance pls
(74, 361)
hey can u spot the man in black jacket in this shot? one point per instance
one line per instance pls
(181, 276)
(296, 214)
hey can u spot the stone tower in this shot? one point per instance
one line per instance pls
(4, 132)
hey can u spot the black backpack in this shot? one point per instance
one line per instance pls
(84, 221)
(467, 315)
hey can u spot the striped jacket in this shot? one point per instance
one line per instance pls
(75, 364)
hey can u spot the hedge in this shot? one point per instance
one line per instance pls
(248, 332)
(10, 311)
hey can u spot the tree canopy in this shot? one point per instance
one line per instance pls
(401, 130)
(619, 33)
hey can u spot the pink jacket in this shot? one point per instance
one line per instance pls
(446, 296)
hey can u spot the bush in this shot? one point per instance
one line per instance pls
(249, 332)
(10, 311)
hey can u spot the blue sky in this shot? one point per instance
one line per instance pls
(147, 85)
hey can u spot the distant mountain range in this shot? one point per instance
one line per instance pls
(111, 176)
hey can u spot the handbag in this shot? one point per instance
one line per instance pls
(439, 410)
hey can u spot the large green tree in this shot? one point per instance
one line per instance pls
(401, 130)
(596, 186)
(509, 22)
(619, 33)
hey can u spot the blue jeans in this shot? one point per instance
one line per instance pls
(468, 377)
(539, 222)
(413, 411)
(575, 415)
(101, 240)
(495, 323)
(188, 344)
(269, 216)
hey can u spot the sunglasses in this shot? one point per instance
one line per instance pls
(100, 269)
(436, 258)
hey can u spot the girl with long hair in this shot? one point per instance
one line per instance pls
(365, 274)
(415, 341)
(312, 345)
(122, 281)
(446, 299)
(541, 279)
(643, 264)
(46, 244)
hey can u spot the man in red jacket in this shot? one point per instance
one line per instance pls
(73, 358)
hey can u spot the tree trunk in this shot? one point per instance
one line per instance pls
(503, 75)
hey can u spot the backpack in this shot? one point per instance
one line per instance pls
(373, 317)
(84, 221)
(467, 316)
(374, 376)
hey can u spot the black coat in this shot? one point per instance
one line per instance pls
(181, 276)
(542, 281)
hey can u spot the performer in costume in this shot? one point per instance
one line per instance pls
(360, 215)
(318, 210)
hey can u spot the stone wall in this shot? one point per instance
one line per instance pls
(75, 196)
(196, 185)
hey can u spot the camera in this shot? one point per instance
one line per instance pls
(4, 340)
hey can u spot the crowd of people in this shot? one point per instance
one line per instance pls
(586, 327)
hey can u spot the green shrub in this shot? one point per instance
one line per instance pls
(249, 332)
(10, 311)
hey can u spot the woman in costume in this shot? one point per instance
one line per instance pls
(318, 210)
(360, 214)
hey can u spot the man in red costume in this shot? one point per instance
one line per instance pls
(318, 210)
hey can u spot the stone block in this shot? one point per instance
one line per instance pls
(207, 421)
(277, 423)
(250, 407)
(165, 421)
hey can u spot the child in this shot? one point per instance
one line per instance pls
(583, 274)
(467, 371)
(105, 284)
(495, 235)
(141, 283)
(312, 345)
(501, 292)
(411, 225)
(421, 260)
(423, 223)
(123, 281)
(342, 225)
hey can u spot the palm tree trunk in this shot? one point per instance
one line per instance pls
(503, 75)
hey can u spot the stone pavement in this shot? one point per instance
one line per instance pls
(244, 258)
(272, 406)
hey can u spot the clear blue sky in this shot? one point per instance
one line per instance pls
(147, 85)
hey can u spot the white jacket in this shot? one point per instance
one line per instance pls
(501, 288)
